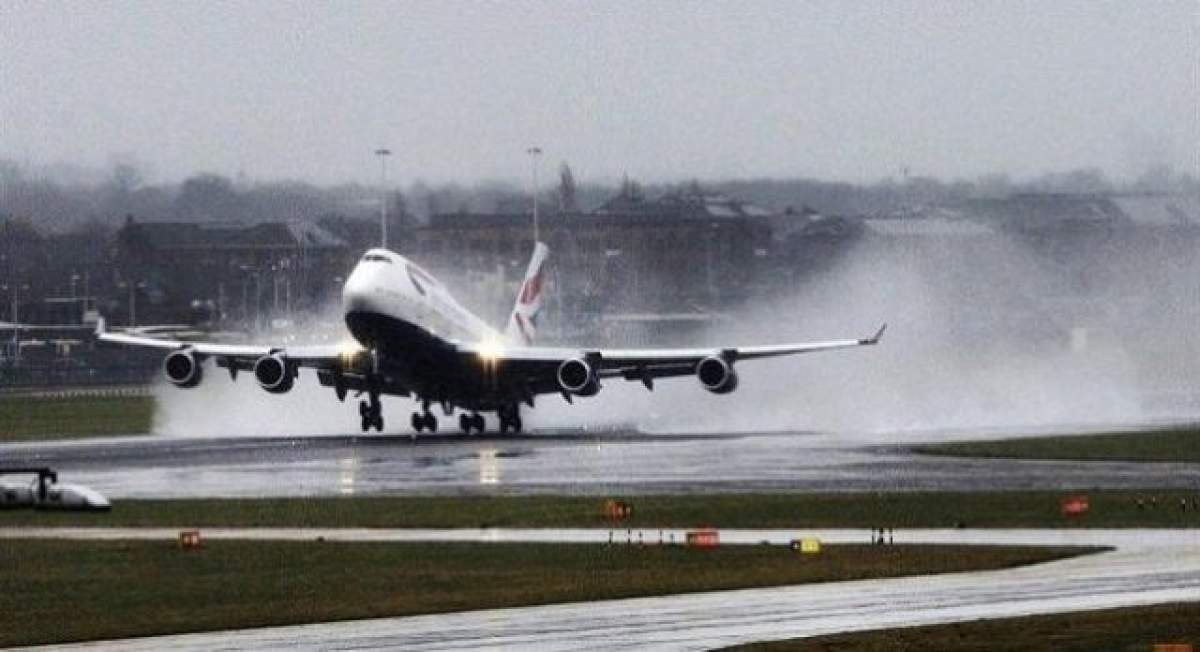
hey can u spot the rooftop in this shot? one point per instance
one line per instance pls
(230, 235)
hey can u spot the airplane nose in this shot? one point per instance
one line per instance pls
(357, 294)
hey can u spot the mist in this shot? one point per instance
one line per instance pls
(965, 350)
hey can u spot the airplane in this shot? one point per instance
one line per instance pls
(412, 338)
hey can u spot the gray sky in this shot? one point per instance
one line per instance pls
(658, 90)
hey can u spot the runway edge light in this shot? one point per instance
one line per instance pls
(809, 546)
(703, 538)
(1074, 506)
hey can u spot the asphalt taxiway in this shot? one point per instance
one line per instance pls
(1146, 567)
(576, 462)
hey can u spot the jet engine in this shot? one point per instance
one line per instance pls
(717, 375)
(577, 377)
(183, 368)
(274, 374)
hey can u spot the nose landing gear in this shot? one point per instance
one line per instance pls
(371, 413)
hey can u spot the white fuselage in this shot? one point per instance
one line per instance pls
(387, 288)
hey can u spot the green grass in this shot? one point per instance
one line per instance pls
(1138, 628)
(900, 510)
(57, 591)
(1168, 445)
(33, 418)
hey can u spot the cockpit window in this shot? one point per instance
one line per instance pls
(416, 277)
(376, 258)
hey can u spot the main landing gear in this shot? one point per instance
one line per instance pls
(469, 422)
(510, 418)
(371, 413)
(424, 420)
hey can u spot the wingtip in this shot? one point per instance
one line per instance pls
(874, 339)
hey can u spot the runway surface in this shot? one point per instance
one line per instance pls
(1147, 567)
(574, 462)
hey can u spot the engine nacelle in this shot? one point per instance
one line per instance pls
(274, 374)
(577, 377)
(717, 375)
(183, 368)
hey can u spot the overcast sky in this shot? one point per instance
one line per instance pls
(658, 90)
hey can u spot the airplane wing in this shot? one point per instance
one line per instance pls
(553, 370)
(339, 366)
(244, 355)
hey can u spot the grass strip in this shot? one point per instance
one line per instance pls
(1150, 508)
(1168, 445)
(34, 418)
(1137, 628)
(58, 591)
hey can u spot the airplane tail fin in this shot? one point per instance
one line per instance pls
(522, 324)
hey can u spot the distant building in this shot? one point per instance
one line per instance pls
(225, 273)
(678, 254)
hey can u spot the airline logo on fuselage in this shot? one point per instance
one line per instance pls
(532, 289)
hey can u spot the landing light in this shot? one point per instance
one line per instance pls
(347, 350)
(490, 351)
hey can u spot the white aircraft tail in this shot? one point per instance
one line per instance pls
(522, 324)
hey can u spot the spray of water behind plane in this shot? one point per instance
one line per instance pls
(995, 335)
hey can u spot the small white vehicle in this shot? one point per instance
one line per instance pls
(16, 495)
(46, 492)
(73, 497)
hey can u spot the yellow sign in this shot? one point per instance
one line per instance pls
(810, 546)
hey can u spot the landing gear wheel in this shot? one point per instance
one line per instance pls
(430, 422)
(418, 423)
(510, 418)
(469, 422)
(371, 414)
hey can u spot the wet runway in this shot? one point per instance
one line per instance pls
(1147, 567)
(571, 462)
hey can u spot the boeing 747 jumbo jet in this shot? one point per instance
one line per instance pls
(413, 339)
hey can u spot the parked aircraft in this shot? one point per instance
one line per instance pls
(412, 338)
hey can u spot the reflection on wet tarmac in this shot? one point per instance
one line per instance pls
(574, 462)
(489, 467)
(348, 466)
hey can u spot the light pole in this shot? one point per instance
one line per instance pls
(16, 288)
(336, 283)
(133, 287)
(383, 153)
(534, 152)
